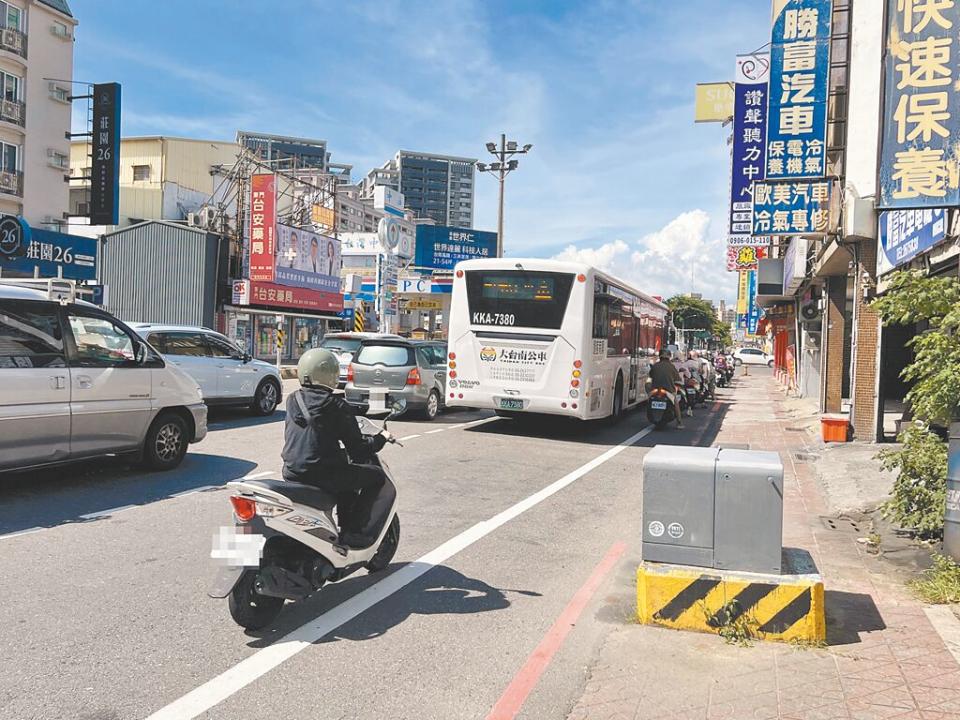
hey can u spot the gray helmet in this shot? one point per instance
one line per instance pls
(318, 368)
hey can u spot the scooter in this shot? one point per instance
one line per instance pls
(660, 408)
(285, 542)
(695, 392)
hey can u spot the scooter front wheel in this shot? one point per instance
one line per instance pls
(387, 549)
(248, 608)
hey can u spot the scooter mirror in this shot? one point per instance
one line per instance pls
(397, 406)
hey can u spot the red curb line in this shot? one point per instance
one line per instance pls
(526, 679)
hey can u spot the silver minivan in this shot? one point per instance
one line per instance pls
(412, 369)
(75, 383)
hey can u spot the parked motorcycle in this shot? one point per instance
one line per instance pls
(285, 544)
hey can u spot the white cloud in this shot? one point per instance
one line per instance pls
(661, 262)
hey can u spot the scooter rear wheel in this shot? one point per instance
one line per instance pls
(387, 549)
(248, 608)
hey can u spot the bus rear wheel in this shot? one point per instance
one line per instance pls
(617, 413)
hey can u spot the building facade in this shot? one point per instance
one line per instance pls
(36, 44)
(436, 187)
(161, 178)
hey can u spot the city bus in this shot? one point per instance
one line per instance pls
(531, 336)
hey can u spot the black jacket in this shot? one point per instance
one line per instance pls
(664, 376)
(312, 448)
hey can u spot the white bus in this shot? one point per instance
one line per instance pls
(543, 336)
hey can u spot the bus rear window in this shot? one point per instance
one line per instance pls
(518, 298)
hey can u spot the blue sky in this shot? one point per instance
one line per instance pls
(619, 173)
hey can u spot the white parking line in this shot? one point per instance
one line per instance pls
(215, 691)
(111, 511)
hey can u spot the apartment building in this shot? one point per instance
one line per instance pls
(36, 43)
(438, 187)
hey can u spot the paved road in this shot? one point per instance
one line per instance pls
(105, 569)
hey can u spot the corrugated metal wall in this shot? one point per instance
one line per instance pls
(160, 273)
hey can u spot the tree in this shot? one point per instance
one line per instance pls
(690, 313)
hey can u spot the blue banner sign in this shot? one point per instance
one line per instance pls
(753, 310)
(441, 247)
(749, 137)
(919, 163)
(904, 234)
(49, 253)
(799, 88)
(792, 208)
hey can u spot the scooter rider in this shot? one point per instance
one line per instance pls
(664, 376)
(323, 446)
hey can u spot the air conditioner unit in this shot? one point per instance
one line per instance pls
(811, 311)
(859, 215)
(193, 220)
(8, 181)
(13, 39)
(12, 111)
(60, 31)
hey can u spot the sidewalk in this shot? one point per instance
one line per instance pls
(884, 658)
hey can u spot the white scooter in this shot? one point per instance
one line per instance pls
(285, 542)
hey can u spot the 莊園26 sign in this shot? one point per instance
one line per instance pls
(919, 164)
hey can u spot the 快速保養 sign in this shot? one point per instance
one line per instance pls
(904, 234)
(749, 136)
(440, 247)
(919, 163)
(799, 89)
(793, 208)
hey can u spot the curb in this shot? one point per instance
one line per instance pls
(780, 608)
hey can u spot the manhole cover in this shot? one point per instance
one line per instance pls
(840, 524)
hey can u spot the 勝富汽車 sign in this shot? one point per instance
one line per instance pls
(792, 208)
(919, 162)
(904, 234)
(799, 89)
(749, 137)
(263, 227)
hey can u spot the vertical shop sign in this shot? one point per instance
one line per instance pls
(799, 87)
(753, 310)
(105, 163)
(749, 137)
(263, 227)
(919, 161)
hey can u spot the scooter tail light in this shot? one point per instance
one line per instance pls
(244, 509)
(350, 373)
(413, 377)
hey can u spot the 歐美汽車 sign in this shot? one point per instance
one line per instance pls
(799, 89)
(792, 208)
(919, 163)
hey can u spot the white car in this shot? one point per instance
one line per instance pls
(77, 383)
(225, 373)
(752, 356)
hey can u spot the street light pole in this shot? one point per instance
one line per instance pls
(504, 165)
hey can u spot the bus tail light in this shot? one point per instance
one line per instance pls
(413, 377)
(350, 373)
(452, 364)
(575, 383)
(578, 364)
(453, 374)
(452, 356)
(581, 278)
(459, 273)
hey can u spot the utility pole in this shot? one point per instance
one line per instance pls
(505, 164)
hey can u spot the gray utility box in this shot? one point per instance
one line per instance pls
(713, 508)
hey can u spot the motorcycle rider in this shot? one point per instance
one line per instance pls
(323, 446)
(664, 376)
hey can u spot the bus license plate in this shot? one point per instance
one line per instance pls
(658, 405)
(511, 404)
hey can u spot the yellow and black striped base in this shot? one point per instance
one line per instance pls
(775, 607)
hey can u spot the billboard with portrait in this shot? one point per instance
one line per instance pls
(307, 260)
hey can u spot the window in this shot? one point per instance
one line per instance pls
(30, 336)
(11, 16)
(141, 173)
(221, 347)
(182, 343)
(60, 29)
(9, 157)
(388, 355)
(58, 159)
(340, 344)
(100, 342)
(518, 298)
(10, 86)
(60, 93)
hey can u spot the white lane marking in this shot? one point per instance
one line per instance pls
(254, 476)
(474, 423)
(431, 432)
(409, 437)
(202, 488)
(18, 533)
(215, 691)
(111, 511)
(454, 427)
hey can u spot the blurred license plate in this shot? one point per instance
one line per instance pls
(511, 404)
(691, 391)
(658, 405)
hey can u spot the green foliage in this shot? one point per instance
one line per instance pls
(940, 583)
(691, 313)
(734, 627)
(935, 372)
(919, 492)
